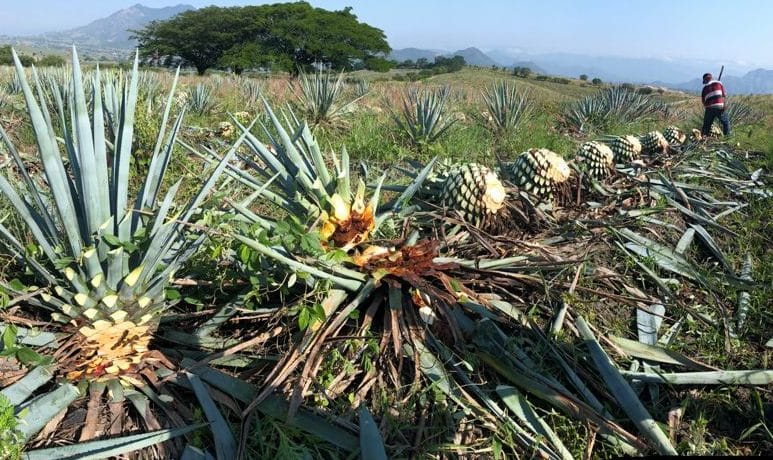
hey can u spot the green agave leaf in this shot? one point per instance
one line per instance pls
(371, 443)
(194, 453)
(685, 241)
(712, 245)
(623, 392)
(225, 443)
(58, 180)
(33, 338)
(277, 407)
(526, 413)
(22, 389)
(109, 447)
(747, 377)
(654, 353)
(41, 410)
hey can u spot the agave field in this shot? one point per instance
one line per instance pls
(342, 266)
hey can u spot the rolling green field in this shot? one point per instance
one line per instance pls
(292, 313)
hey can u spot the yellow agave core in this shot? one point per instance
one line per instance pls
(495, 195)
(348, 226)
(559, 170)
(110, 349)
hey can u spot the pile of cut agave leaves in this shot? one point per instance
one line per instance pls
(96, 363)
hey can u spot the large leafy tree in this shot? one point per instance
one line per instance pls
(289, 36)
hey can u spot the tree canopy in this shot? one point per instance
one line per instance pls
(287, 36)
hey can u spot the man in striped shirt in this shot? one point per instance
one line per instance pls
(713, 97)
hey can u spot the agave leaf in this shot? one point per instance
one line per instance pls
(670, 335)
(57, 178)
(225, 443)
(193, 453)
(158, 164)
(743, 296)
(123, 144)
(109, 447)
(346, 283)
(699, 218)
(624, 394)
(44, 408)
(39, 200)
(648, 323)
(747, 377)
(92, 191)
(371, 443)
(525, 412)
(33, 338)
(24, 387)
(712, 245)
(655, 353)
(684, 241)
(276, 407)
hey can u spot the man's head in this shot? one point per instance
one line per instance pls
(707, 77)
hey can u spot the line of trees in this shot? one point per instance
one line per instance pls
(27, 60)
(282, 36)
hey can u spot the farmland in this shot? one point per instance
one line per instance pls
(264, 266)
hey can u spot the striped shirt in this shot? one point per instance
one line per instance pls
(713, 95)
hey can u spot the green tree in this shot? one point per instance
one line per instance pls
(596, 81)
(201, 37)
(584, 77)
(6, 59)
(291, 36)
(50, 60)
(378, 64)
(522, 72)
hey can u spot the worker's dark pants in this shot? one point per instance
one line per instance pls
(708, 119)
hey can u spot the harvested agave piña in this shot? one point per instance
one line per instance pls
(624, 148)
(674, 136)
(653, 142)
(538, 171)
(596, 158)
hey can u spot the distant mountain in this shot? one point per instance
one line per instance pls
(414, 54)
(106, 36)
(759, 81)
(530, 64)
(113, 31)
(472, 55)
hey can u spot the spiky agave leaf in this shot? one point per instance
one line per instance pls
(321, 95)
(538, 171)
(674, 136)
(653, 142)
(315, 188)
(596, 158)
(105, 256)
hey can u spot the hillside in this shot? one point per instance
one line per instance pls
(113, 31)
(471, 55)
(759, 81)
(105, 37)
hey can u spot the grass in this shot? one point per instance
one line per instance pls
(715, 420)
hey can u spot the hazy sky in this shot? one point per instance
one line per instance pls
(731, 31)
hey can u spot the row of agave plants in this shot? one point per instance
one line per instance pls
(412, 266)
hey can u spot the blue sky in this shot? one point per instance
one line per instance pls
(737, 31)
